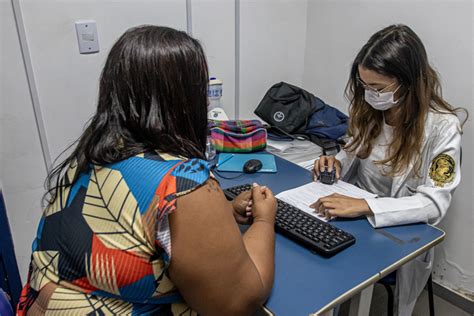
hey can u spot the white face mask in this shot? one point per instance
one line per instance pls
(381, 101)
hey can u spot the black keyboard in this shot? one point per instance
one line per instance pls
(305, 229)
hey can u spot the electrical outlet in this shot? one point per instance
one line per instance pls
(87, 37)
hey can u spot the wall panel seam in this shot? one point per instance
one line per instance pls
(26, 57)
(237, 60)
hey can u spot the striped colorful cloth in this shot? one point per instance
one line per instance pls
(238, 135)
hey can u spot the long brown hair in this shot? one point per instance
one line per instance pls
(396, 52)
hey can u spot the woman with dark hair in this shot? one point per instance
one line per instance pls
(135, 224)
(404, 146)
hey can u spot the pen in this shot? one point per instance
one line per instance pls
(225, 160)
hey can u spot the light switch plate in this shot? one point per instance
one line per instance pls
(87, 37)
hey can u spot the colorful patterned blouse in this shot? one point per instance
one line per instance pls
(104, 246)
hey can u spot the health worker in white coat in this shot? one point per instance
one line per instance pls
(404, 146)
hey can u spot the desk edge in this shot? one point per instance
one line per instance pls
(381, 274)
(348, 294)
(414, 254)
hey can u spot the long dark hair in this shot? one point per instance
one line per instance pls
(152, 96)
(397, 52)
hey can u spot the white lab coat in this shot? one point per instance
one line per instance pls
(415, 199)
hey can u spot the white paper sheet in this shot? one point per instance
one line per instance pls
(307, 164)
(279, 145)
(302, 197)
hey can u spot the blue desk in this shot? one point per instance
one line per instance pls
(307, 283)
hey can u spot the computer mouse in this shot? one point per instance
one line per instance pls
(327, 177)
(252, 166)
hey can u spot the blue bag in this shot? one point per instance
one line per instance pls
(327, 121)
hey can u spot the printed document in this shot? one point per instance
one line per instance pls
(302, 197)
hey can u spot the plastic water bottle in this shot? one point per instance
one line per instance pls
(215, 112)
(210, 149)
(214, 93)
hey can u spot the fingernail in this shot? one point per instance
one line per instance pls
(255, 184)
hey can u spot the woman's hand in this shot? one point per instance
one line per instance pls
(264, 204)
(326, 161)
(337, 205)
(242, 206)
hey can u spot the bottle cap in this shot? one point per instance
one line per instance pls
(214, 80)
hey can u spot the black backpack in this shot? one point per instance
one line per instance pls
(286, 108)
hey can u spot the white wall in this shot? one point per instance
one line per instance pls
(337, 29)
(272, 42)
(213, 24)
(22, 170)
(67, 82)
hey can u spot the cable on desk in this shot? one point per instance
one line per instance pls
(214, 170)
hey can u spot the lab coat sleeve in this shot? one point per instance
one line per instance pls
(342, 157)
(346, 159)
(429, 201)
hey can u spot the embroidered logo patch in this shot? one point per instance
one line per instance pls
(442, 170)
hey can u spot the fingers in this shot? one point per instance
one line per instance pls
(328, 214)
(248, 209)
(315, 205)
(330, 163)
(323, 160)
(243, 220)
(256, 193)
(339, 212)
(260, 193)
(326, 198)
(334, 212)
(338, 169)
(316, 171)
(267, 192)
(246, 195)
(328, 211)
(324, 206)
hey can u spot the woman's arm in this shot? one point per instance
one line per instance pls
(428, 202)
(215, 269)
(260, 235)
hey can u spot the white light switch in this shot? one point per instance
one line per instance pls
(87, 37)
